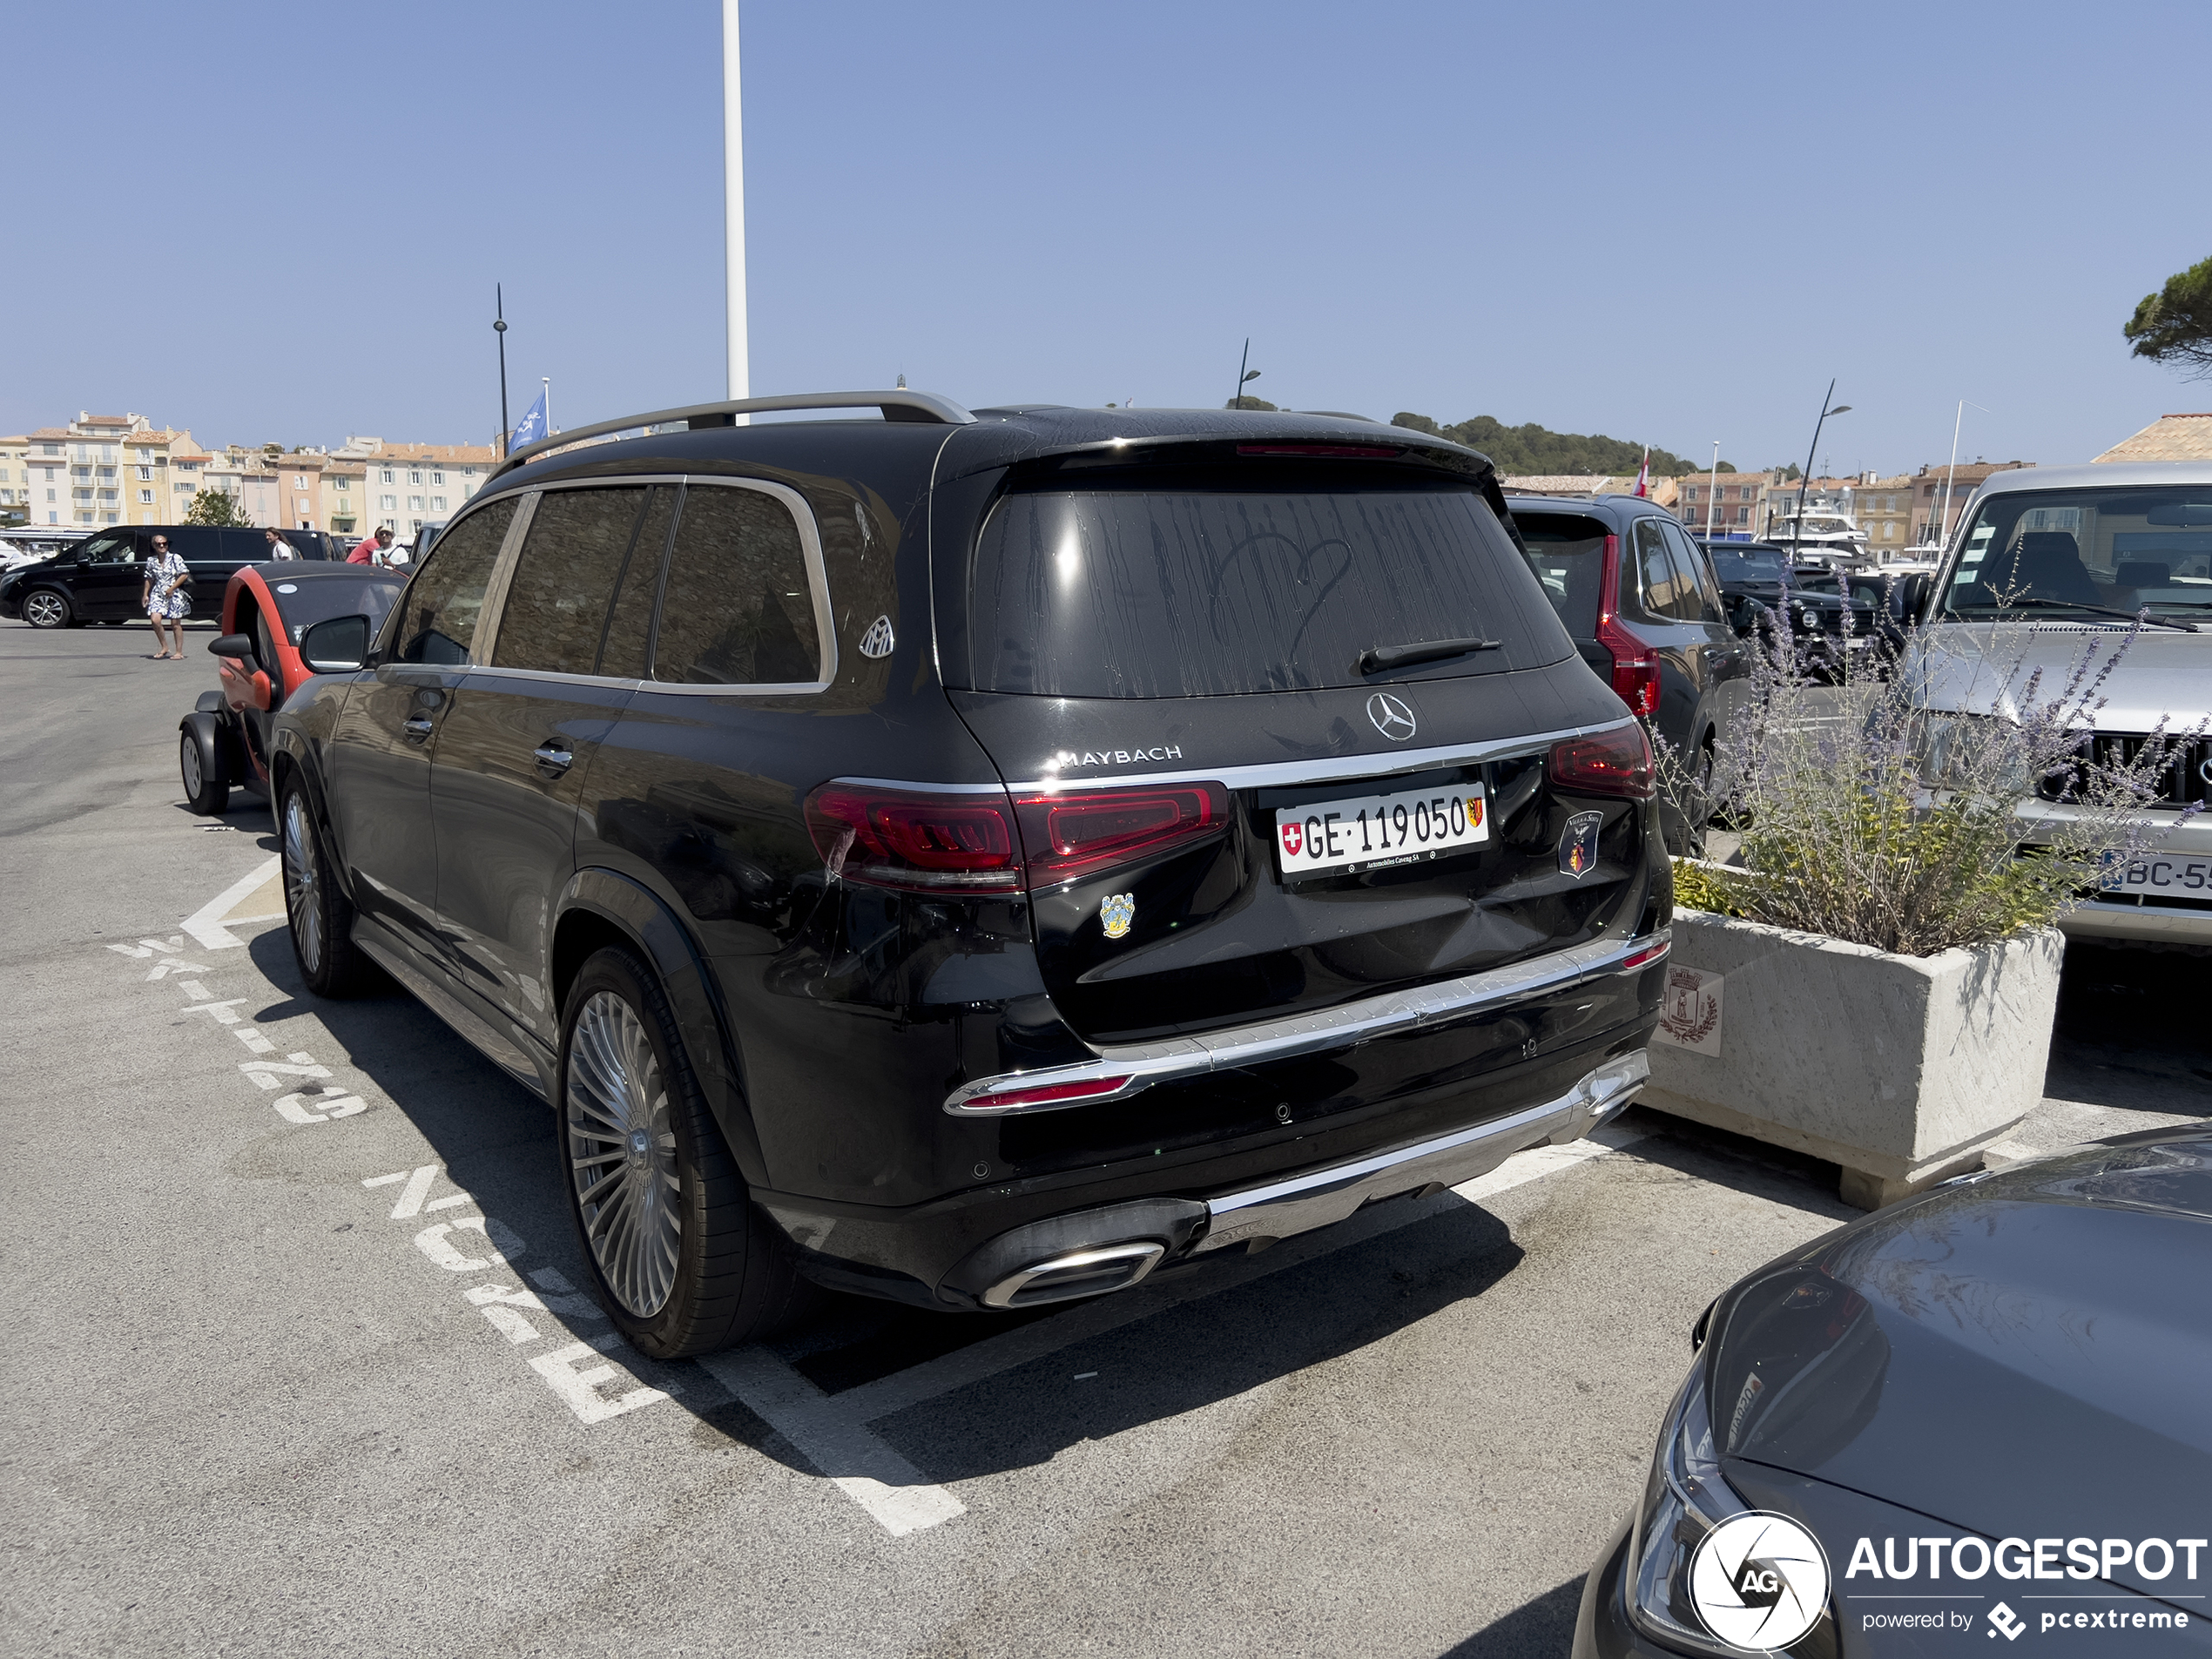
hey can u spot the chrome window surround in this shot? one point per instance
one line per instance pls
(810, 544)
(1142, 1064)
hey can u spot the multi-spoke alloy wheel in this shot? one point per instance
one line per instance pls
(622, 1154)
(320, 915)
(302, 893)
(46, 609)
(682, 1260)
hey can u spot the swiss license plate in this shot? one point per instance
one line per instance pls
(1366, 832)
(2157, 875)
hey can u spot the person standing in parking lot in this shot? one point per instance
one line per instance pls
(165, 597)
(373, 548)
(278, 547)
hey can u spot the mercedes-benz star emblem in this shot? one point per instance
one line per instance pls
(1391, 718)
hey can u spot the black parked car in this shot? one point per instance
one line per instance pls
(981, 859)
(1758, 584)
(102, 576)
(1645, 611)
(2012, 1365)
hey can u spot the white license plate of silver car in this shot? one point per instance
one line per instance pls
(2157, 875)
(1367, 832)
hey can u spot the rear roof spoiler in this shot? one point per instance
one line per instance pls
(900, 405)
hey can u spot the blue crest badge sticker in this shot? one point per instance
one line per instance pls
(1578, 847)
(1115, 911)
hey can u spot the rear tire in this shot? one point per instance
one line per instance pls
(45, 608)
(320, 917)
(682, 1260)
(205, 792)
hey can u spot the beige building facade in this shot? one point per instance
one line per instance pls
(408, 485)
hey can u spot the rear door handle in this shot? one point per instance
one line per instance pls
(417, 727)
(552, 758)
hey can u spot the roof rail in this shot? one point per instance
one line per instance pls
(900, 405)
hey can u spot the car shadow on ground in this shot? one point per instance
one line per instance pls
(495, 1140)
(1543, 1628)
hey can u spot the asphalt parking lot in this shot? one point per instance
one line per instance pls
(300, 1364)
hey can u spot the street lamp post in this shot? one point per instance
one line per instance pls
(1797, 524)
(499, 327)
(1244, 374)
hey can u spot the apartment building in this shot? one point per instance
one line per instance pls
(16, 492)
(408, 485)
(163, 469)
(1883, 508)
(1729, 502)
(251, 482)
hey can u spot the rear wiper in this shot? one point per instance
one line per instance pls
(1433, 650)
(2104, 610)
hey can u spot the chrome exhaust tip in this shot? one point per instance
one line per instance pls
(1080, 1272)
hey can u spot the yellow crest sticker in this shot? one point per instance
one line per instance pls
(1115, 911)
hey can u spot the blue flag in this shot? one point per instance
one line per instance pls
(531, 428)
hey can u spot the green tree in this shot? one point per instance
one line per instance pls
(217, 507)
(1521, 450)
(1251, 404)
(2173, 327)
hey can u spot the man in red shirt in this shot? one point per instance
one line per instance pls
(373, 548)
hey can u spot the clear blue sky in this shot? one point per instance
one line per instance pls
(284, 223)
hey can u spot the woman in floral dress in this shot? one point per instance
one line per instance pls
(165, 597)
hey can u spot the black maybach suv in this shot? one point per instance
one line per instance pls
(985, 859)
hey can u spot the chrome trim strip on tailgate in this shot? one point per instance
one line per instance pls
(1322, 1197)
(1140, 1065)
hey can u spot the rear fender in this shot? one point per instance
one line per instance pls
(216, 757)
(598, 898)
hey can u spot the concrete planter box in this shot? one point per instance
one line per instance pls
(1900, 1069)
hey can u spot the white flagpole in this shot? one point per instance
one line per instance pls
(740, 376)
(546, 381)
(1713, 489)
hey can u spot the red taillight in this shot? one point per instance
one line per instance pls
(1332, 451)
(925, 842)
(1071, 832)
(1636, 665)
(1005, 1100)
(1612, 763)
(928, 842)
(1643, 956)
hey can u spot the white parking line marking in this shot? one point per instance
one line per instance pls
(433, 1242)
(579, 1390)
(318, 1108)
(853, 1461)
(418, 1184)
(254, 1042)
(225, 1011)
(206, 924)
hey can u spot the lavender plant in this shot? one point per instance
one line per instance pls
(1950, 795)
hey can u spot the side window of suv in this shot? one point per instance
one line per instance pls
(1700, 589)
(110, 550)
(556, 609)
(1660, 581)
(737, 608)
(437, 615)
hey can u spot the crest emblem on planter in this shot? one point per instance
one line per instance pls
(1690, 1010)
(1578, 845)
(1115, 911)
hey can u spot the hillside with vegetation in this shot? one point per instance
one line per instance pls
(1521, 451)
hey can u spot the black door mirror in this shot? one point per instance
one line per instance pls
(237, 645)
(1911, 595)
(338, 646)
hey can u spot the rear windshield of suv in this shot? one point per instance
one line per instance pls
(1566, 550)
(1188, 592)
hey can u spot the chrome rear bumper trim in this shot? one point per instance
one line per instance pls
(1325, 1196)
(1141, 1065)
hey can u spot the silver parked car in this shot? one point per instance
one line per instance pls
(2054, 556)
